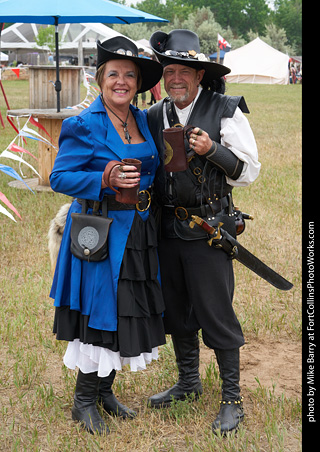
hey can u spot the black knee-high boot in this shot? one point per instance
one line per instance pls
(109, 401)
(231, 409)
(187, 356)
(84, 408)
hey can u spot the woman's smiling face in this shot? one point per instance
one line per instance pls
(119, 82)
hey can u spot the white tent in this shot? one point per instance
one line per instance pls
(20, 38)
(257, 62)
(3, 57)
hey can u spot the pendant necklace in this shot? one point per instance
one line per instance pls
(124, 123)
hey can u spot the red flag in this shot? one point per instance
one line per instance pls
(16, 148)
(37, 124)
(16, 71)
(4, 199)
(223, 44)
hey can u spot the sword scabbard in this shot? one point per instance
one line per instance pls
(222, 239)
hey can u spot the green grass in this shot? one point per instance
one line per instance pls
(36, 390)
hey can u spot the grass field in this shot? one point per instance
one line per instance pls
(36, 390)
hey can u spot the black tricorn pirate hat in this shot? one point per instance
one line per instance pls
(183, 47)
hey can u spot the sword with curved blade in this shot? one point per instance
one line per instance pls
(222, 239)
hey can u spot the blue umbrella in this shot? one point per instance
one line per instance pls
(55, 12)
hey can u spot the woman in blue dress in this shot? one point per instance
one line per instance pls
(110, 312)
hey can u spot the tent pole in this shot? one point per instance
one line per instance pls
(57, 84)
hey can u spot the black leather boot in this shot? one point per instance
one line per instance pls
(84, 408)
(108, 400)
(187, 355)
(231, 409)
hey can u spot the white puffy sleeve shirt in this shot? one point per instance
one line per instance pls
(236, 135)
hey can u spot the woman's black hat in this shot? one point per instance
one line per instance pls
(122, 48)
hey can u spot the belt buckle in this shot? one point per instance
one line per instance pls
(149, 201)
(184, 210)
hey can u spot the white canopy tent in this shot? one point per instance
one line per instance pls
(20, 38)
(3, 57)
(257, 62)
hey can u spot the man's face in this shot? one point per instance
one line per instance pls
(181, 83)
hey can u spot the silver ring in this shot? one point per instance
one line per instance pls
(200, 132)
(192, 147)
(194, 140)
(122, 175)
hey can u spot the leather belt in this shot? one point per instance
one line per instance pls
(206, 210)
(112, 204)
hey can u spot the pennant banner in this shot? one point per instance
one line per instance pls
(40, 126)
(3, 210)
(16, 71)
(30, 133)
(9, 155)
(11, 172)
(16, 148)
(4, 199)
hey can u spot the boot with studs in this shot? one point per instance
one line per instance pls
(231, 406)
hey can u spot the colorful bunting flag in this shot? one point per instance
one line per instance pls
(3, 210)
(4, 199)
(16, 148)
(37, 124)
(9, 155)
(11, 172)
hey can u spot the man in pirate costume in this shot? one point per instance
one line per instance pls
(198, 280)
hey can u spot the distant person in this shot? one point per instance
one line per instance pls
(155, 91)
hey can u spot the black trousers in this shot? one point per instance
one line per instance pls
(198, 284)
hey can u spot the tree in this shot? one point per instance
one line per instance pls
(275, 37)
(46, 37)
(288, 15)
(239, 15)
(201, 21)
(166, 10)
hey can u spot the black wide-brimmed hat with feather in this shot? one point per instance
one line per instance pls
(183, 47)
(122, 48)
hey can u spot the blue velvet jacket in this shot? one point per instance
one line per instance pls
(87, 143)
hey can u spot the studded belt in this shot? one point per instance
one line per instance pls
(112, 204)
(205, 210)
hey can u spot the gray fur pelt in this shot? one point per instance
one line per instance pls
(55, 233)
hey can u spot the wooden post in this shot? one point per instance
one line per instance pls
(218, 50)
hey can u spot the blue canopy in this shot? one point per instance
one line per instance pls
(214, 55)
(55, 12)
(71, 11)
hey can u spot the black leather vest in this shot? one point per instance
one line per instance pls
(201, 180)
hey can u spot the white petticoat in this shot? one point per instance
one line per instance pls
(92, 358)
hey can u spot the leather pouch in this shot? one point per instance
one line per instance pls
(89, 234)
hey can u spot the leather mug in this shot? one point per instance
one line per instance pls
(175, 156)
(129, 195)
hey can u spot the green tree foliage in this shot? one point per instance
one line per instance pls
(238, 21)
(288, 15)
(46, 37)
(166, 10)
